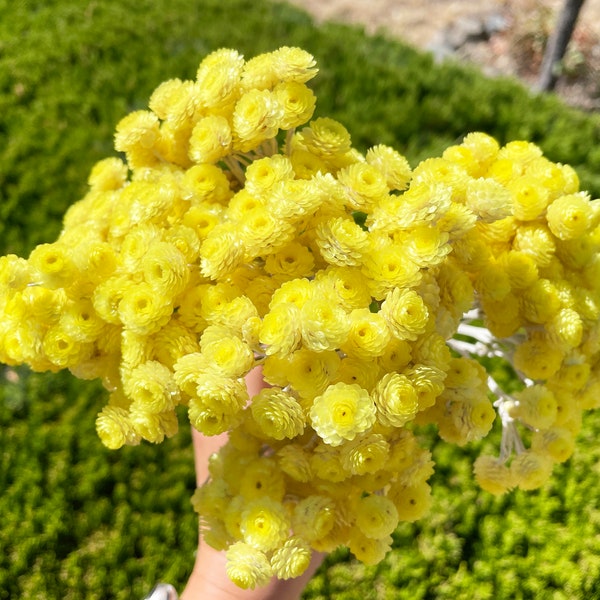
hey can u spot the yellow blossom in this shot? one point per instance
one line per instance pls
(247, 566)
(341, 241)
(369, 334)
(391, 164)
(569, 216)
(342, 412)
(278, 414)
(493, 475)
(326, 137)
(256, 118)
(211, 139)
(291, 559)
(395, 399)
(405, 313)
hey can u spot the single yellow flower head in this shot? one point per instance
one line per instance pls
(211, 139)
(229, 355)
(488, 199)
(264, 524)
(108, 174)
(293, 64)
(530, 469)
(324, 325)
(405, 313)
(389, 267)
(557, 442)
(263, 174)
(278, 414)
(136, 135)
(326, 138)
(293, 261)
(365, 454)
(218, 77)
(247, 566)
(395, 399)
(261, 478)
(309, 373)
(369, 551)
(566, 328)
(540, 302)
(153, 427)
(365, 185)
(257, 117)
(483, 147)
(291, 559)
(412, 501)
(294, 461)
(297, 101)
(569, 216)
(376, 516)
(537, 358)
(493, 475)
(341, 413)
(313, 517)
(529, 197)
(391, 164)
(280, 331)
(144, 311)
(349, 286)
(427, 246)
(369, 335)
(221, 252)
(206, 183)
(52, 264)
(341, 241)
(537, 242)
(151, 386)
(115, 429)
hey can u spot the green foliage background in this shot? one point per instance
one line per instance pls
(79, 521)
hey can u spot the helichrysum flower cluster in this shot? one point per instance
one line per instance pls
(240, 233)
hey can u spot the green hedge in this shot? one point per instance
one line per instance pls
(79, 521)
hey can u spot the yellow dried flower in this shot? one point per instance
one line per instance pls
(530, 469)
(211, 139)
(369, 334)
(364, 184)
(341, 413)
(341, 241)
(115, 429)
(376, 516)
(291, 559)
(326, 138)
(569, 216)
(488, 199)
(391, 164)
(395, 399)
(365, 454)
(247, 566)
(405, 313)
(264, 524)
(324, 326)
(493, 475)
(293, 64)
(298, 103)
(257, 117)
(278, 414)
(218, 77)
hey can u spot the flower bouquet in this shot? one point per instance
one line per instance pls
(240, 234)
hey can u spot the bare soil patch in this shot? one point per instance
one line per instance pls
(502, 37)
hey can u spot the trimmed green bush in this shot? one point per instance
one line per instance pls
(80, 521)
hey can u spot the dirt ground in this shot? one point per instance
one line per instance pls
(514, 46)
